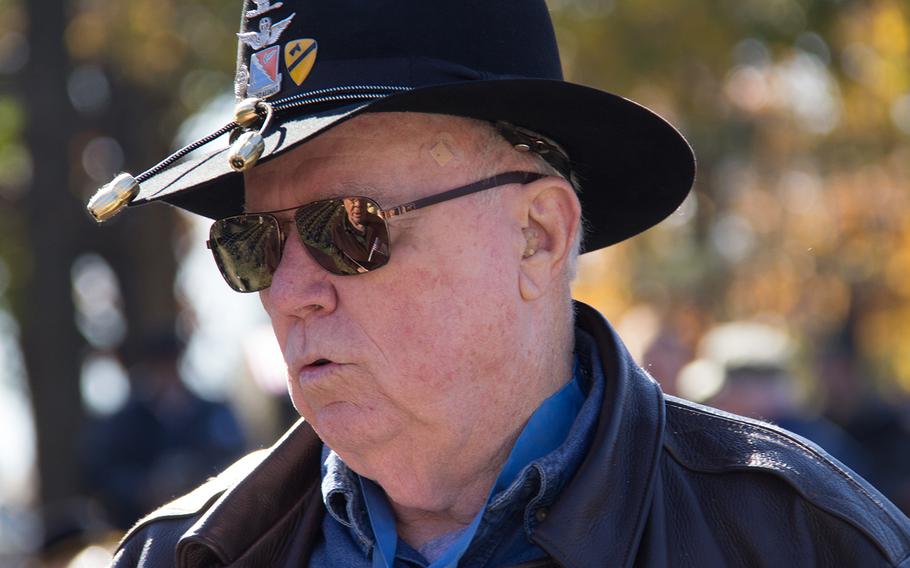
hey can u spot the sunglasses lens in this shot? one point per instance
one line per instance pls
(247, 249)
(345, 236)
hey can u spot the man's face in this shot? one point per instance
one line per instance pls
(418, 353)
(354, 208)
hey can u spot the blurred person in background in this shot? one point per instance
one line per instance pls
(751, 369)
(665, 356)
(880, 425)
(165, 440)
(459, 408)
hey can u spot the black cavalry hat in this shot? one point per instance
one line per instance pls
(317, 63)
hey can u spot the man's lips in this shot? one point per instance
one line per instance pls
(308, 361)
(317, 370)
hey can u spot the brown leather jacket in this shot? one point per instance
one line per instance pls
(666, 483)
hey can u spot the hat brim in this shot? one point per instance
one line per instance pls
(634, 168)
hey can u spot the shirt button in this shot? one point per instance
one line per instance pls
(541, 514)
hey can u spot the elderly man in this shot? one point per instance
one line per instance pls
(458, 408)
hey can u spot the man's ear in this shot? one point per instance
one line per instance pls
(550, 217)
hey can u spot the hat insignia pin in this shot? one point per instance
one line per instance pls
(265, 80)
(299, 57)
(241, 81)
(262, 7)
(268, 33)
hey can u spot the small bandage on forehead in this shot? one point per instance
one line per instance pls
(444, 149)
(441, 153)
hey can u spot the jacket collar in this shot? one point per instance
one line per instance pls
(607, 501)
(279, 495)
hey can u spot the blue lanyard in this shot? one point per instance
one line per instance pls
(545, 431)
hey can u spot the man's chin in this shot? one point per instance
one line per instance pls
(347, 427)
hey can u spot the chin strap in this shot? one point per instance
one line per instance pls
(525, 140)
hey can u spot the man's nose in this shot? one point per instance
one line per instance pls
(299, 285)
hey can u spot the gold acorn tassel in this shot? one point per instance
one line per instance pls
(247, 149)
(112, 197)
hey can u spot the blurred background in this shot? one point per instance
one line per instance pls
(129, 371)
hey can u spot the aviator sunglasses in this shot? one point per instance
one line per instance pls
(344, 235)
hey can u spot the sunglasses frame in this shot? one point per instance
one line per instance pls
(507, 178)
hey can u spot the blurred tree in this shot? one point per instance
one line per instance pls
(97, 95)
(51, 344)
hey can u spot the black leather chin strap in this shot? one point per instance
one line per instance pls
(525, 140)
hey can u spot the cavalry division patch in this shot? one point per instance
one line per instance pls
(299, 57)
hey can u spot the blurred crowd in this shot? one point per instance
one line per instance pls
(162, 441)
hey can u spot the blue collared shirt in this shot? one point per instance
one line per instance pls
(502, 532)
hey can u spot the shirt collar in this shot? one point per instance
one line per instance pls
(539, 484)
(343, 498)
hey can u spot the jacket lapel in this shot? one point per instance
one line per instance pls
(274, 509)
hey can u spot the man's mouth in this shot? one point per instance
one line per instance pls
(317, 370)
